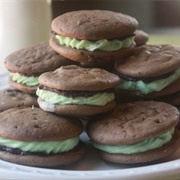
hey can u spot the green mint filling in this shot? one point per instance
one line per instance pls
(29, 81)
(104, 44)
(44, 147)
(146, 88)
(139, 147)
(99, 99)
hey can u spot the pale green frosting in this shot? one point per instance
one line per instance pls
(99, 99)
(139, 147)
(46, 147)
(104, 44)
(146, 88)
(29, 81)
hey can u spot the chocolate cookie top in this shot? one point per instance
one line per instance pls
(34, 124)
(94, 25)
(11, 98)
(81, 79)
(133, 122)
(150, 61)
(35, 59)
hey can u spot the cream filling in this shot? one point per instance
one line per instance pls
(103, 45)
(27, 80)
(146, 88)
(99, 99)
(46, 147)
(138, 147)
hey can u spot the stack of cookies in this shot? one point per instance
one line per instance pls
(97, 67)
(29, 135)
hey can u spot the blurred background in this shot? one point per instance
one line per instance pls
(25, 22)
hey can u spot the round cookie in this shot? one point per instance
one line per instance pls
(38, 138)
(137, 132)
(140, 37)
(91, 36)
(76, 91)
(25, 65)
(11, 98)
(151, 71)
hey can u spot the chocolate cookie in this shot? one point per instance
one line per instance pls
(27, 64)
(11, 98)
(93, 35)
(31, 136)
(140, 37)
(151, 71)
(76, 91)
(138, 132)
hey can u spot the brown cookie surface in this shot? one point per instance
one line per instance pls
(77, 78)
(134, 122)
(11, 98)
(35, 59)
(34, 124)
(150, 61)
(94, 24)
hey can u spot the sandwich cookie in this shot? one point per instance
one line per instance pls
(27, 64)
(138, 132)
(93, 35)
(33, 137)
(151, 71)
(76, 91)
(11, 98)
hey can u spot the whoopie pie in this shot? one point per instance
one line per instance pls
(138, 132)
(93, 35)
(76, 91)
(33, 137)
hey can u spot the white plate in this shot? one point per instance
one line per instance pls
(92, 167)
